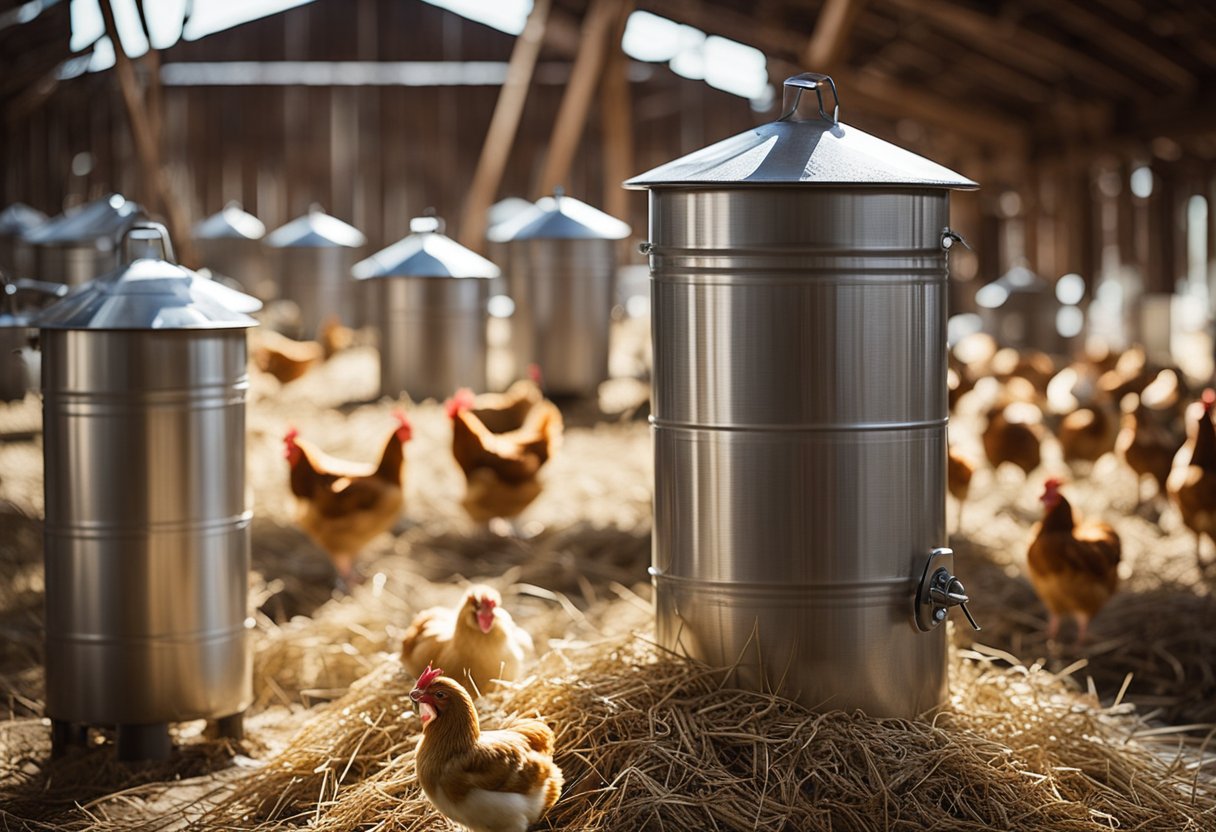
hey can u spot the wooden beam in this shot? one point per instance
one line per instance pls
(832, 28)
(156, 190)
(1138, 54)
(616, 120)
(871, 90)
(572, 115)
(1003, 37)
(503, 125)
(864, 90)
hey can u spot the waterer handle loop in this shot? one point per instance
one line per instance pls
(147, 234)
(813, 81)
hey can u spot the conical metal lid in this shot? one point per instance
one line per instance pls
(19, 219)
(316, 229)
(562, 217)
(507, 209)
(232, 223)
(425, 253)
(102, 222)
(150, 292)
(506, 230)
(1019, 279)
(808, 145)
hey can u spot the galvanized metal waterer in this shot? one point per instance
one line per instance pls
(428, 296)
(147, 522)
(798, 276)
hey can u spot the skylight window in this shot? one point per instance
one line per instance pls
(164, 21)
(504, 15)
(722, 63)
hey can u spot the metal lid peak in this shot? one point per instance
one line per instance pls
(19, 219)
(316, 229)
(807, 145)
(561, 217)
(233, 222)
(150, 292)
(100, 221)
(427, 252)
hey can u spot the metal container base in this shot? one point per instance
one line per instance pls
(756, 633)
(139, 742)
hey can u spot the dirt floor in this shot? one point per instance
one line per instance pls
(573, 573)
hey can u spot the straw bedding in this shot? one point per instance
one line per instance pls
(1115, 735)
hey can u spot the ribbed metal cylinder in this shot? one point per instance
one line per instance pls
(16, 256)
(799, 412)
(14, 380)
(239, 258)
(147, 525)
(432, 333)
(317, 279)
(563, 292)
(74, 264)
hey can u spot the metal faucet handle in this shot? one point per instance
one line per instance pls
(939, 590)
(952, 594)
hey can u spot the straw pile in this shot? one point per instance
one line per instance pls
(650, 741)
(1032, 739)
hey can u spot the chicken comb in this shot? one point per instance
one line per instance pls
(405, 431)
(461, 400)
(290, 448)
(535, 374)
(1209, 400)
(1053, 484)
(429, 675)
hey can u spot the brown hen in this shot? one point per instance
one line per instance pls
(1014, 434)
(1193, 485)
(1073, 567)
(501, 469)
(344, 505)
(477, 641)
(486, 781)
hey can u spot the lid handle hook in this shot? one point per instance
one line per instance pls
(146, 239)
(795, 84)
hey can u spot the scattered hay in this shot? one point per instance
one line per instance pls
(37, 793)
(651, 741)
(646, 741)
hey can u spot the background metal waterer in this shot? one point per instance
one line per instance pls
(147, 526)
(799, 409)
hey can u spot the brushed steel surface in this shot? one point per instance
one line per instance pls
(563, 293)
(241, 259)
(14, 338)
(147, 524)
(800, 506)
(432, 334)
(317, 279)
(17, 222)
(799, 412)
(73, 264)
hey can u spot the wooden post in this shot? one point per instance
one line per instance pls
(1160, 274)
(503, 125)
(616, 120)
(576, 101)
(831, 34)
(155, 183)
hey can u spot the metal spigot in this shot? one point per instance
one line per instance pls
(948, 591)
(938, 591)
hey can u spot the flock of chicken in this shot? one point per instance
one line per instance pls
(505, 780)
(1113, 403)
(492, 781)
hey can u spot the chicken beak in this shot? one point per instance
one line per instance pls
(415, 695)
